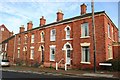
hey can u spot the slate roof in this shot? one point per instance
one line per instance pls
(69, 19)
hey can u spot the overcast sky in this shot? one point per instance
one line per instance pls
(15, 13)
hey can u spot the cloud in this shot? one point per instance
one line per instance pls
(15, 14)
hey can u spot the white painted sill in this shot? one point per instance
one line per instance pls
(85, 62)
(52, 60)
(68, 39)
(85, 37)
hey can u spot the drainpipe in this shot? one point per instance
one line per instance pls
(14, 49)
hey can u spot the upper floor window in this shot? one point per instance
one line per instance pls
(84, 30)
(108, 30)
(67, 29)
(2, 29)
(26, 38)
(112, 34)
(19, 40)
(52, 35)
(42, 37)
(32, 38)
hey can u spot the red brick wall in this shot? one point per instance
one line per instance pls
(4, 34)
(102, 42)
(116, 51)
(10, 50)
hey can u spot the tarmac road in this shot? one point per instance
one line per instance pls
(6, 75)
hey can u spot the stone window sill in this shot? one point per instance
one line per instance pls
(85, 62)
(85, 37)
(68, 39)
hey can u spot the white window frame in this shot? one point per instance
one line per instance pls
(84, 30)
(18, 53)
(26, 38)
(109, 30)
(52, 56)
(5, 46)
(32, 38)
(83, 58)
(82, 54)
(67, 32)
(42, 36)
(112, 34)
(52, 36)
(2, 29)
(32, 51)
(19, 40)
(110, 54)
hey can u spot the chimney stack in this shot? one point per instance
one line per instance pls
(11, 33)
(29, 25)
(22, 28)
(59, 15)
(42, 21)
(83, 9)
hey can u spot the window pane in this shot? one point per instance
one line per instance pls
(52, 53)
(84, 30)
(68, 33)
(68, 53)
(42, 36)
(32, 53)
(108, 30)
(19, 40)
(18, 53)
(85, 54)
(53, 34)
(32, 38)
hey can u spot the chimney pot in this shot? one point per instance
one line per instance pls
(29, 25)
(83, 9)
(42, 21)
(22, 28)
(59, 15)
(11, 33)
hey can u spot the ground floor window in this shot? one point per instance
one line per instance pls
(18, 56)
(32, 53)
(52, 53)
(110, 52)
(85, 54)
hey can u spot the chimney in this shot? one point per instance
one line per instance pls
(29, 25)
(22, 28)
(83, 9)
(11, 33)
(59, 15)
(42, 21)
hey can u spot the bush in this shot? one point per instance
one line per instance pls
(115, 64)
(18, 62)
(35, 64)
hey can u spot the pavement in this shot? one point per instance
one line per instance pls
(69, 72)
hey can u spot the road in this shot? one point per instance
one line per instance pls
(19, 75)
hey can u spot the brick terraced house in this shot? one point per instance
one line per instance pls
(4, 34)
(66, 41)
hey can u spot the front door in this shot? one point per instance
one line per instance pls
(68, 56)
(42, 54)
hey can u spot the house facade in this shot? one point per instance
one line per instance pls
(4, 34)
(66, 41)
